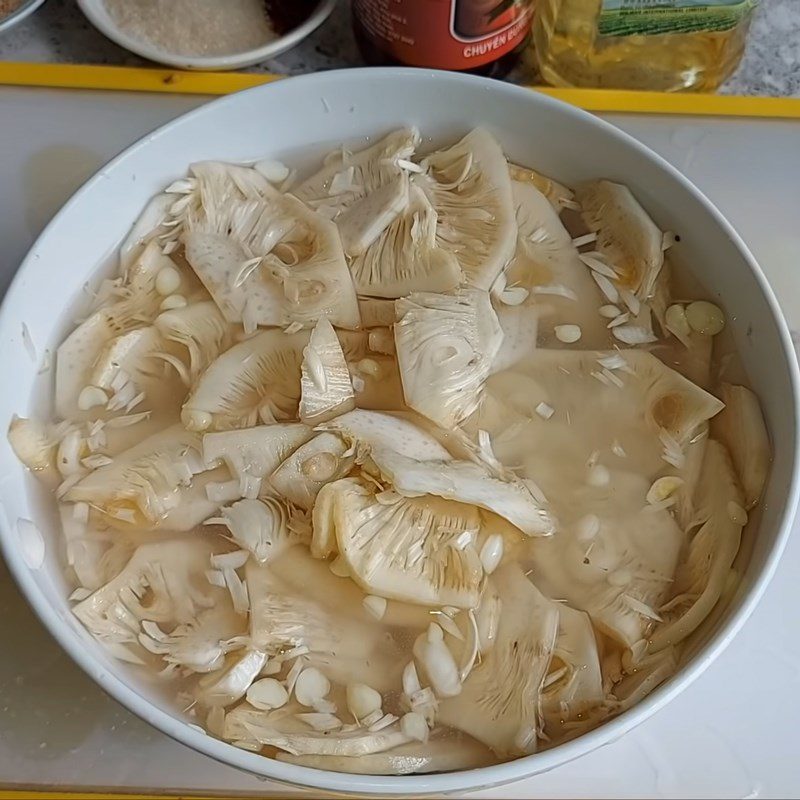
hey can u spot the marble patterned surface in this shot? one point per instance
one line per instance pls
(59, 32)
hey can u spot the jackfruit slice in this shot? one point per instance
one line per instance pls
(258, 378)
(400, 548)
(498, 703)
(469, 187)
(416, 464)
(445, 348)
(143, 485)
(626, 236)
(266, 258)
(326, 388)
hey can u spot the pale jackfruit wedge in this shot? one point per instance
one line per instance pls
(252, 454)
(130, 354)
(317, 462)
(740, 426)
(445, 348)
(443, 752)
(146, 227)
(258, 378)
(627, 237)
(263, 527)
(548, 265)
(609, 403)
(163, 582)
(346, 180)
(701, 576)
(404, 549)
(78, 354)
(325, 385)
(577, 687)
(469, 187)
(266, 258)
(201, 329)
(325, 614)
(366, 219)
(416, 464)
(651, 671)
(32, 443)
(498, 701)
(95, 556)
(406, 257)
(143, 484)
(292, 736)
(619, 569)
(81, 350)
(555, 192)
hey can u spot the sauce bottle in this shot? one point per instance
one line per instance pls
(484, 37)
(663, 45)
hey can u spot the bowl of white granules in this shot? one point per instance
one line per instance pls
(207, 34)
(14, 11)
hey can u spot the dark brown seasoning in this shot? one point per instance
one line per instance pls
(286, 15)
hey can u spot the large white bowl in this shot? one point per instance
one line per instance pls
(301, 116)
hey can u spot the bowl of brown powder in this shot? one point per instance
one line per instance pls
(207, 34)
(14, 11)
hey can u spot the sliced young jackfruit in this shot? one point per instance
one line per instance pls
(573, 689)
(33, 443)
(469, 187)
(367, 218)
(445, 348)
(143, 485)
(163, 582)
(314, 464)
(291, 735)
(416, 464)
(499, 700)
(128, 357)
(626, 236)
(201, 329)
(740, 427)
(407, 256)
(401, 548)
(614, 557)
(297, 602)
(263, 527)
(349, 177)
(650, 672)
(701, 576)
(443, 752)
(555, 192)
(251, 454)
(258, 378)
(547, 264)
(266, 258)
(147, 226)
(326, 388)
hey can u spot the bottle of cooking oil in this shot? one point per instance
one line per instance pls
(663, 45)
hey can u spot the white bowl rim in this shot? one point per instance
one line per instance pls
(464, 780)
(232, 61)
(20, 14)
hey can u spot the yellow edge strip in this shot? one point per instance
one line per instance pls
(148, 79)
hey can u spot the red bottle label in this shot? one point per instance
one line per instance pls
(445, 34)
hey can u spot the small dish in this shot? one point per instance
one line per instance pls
(25, 9)
(96, 12)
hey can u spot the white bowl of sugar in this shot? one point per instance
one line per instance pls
(206, 34)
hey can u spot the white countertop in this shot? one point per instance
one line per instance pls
(733, 734)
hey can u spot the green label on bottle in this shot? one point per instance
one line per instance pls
(648, 17)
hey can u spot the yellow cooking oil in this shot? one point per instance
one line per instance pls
(662, 45)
